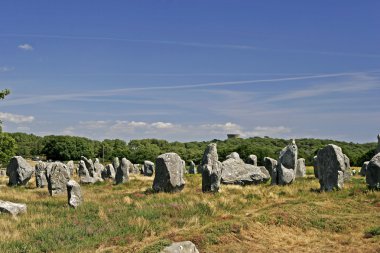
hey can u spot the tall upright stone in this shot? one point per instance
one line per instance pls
(122, 172)
(193, 168)
(115, 163)
(89, 165)
(169, 173)
(252, 159)
(40, 172)
(378, 143)
(19, 171)
(98, 168)
(315, 165)
(300, 168)
(148, 168)
(347, 173)
(211, 169)
(363, 170)
(83, 174)
(271, 166)
(372, 177)
(57, 178)
(70, 165)
(286, 164)
(331, 167)
(109, 172)
(74, 194)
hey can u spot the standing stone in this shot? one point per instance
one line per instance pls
(193, 168)
(40, 172)
(378, 143)
(271, 166)
(372, 177)
(315, 165)
(184, 167)
(109, 172)
(136, 168)
(235, 171)
(252, 159)
(70, 165)
(84, 175)
(57, 177)
(122, 173)
(331, 167)
(286, 164)
(98, 168)
(74, 194)
(148, 168)
(347, 173)
(12, 208)
(169, 173)
(89, 165)
(116, 163)
(181, 247)
(19, 171)
(211, 169)
(301, 168)
(363, 170)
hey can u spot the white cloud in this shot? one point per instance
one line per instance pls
(26, 47)
(15, 118)
(267, 131)
(162, 125)
(4, 69)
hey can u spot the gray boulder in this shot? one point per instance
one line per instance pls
(252, 159)
(286, 164)
(40, 172)
(363, 170)
(19, 171)
(148, 168)
(115, 163)
(83, 174)
(70, 165)
(74, 194)
(372, 177)
(233, 155)
(378, 143)
(235, 171)
(169, 173)
(57, 178)
(301, 168)
(271, 166)
(211, 169)
(12, 208)
(315, 165)
(135, 169)
(98, 168)
(193, 168)
(89, 165)
(331, 167)
(181, 247)
(122, 172)
(347, 173)
(109, 172)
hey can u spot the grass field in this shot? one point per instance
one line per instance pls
(129, 218)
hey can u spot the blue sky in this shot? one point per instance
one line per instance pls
(191, 70)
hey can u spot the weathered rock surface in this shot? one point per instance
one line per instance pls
(193, 168)
(19, 171)
(233, 155)
(211, 169)
(135, 169)
(235, 171)
(109, 172)
(286, 164)
(378, 143)
(169, 173)
(57, 178)
(148, 168)
(363, 170)
(252, 159)
(181, 247)
(122, 173)
(372, 177)
(89, 165)
(347, 173)
(315, 165)
(271, 166)
(331, 167)
(84, 175)
(12, 208)
(116, 163)
(70, 165)
(74, 194)
(300, 168)
(40, 172)
(98, 168)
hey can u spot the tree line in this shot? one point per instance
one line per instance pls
(66, 148)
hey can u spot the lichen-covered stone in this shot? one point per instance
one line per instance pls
(169, 173)
(122, 172)
(211, 169)
(57, 178)
(40, 173)
(74, 194)
(331, 167)
(148, 168)
(300, 168)
(271, 166)
(12, 208)
(286, 164)
(372, 177)
(19, 171)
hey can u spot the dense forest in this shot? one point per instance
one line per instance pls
(71, 148)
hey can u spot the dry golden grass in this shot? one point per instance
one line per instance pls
(129, 218)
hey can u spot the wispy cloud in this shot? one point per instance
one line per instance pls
(26, 47)
(15, 118)
(4, 69)
(117, 92)
(197, 44)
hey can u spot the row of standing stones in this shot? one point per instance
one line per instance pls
(331, 167)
